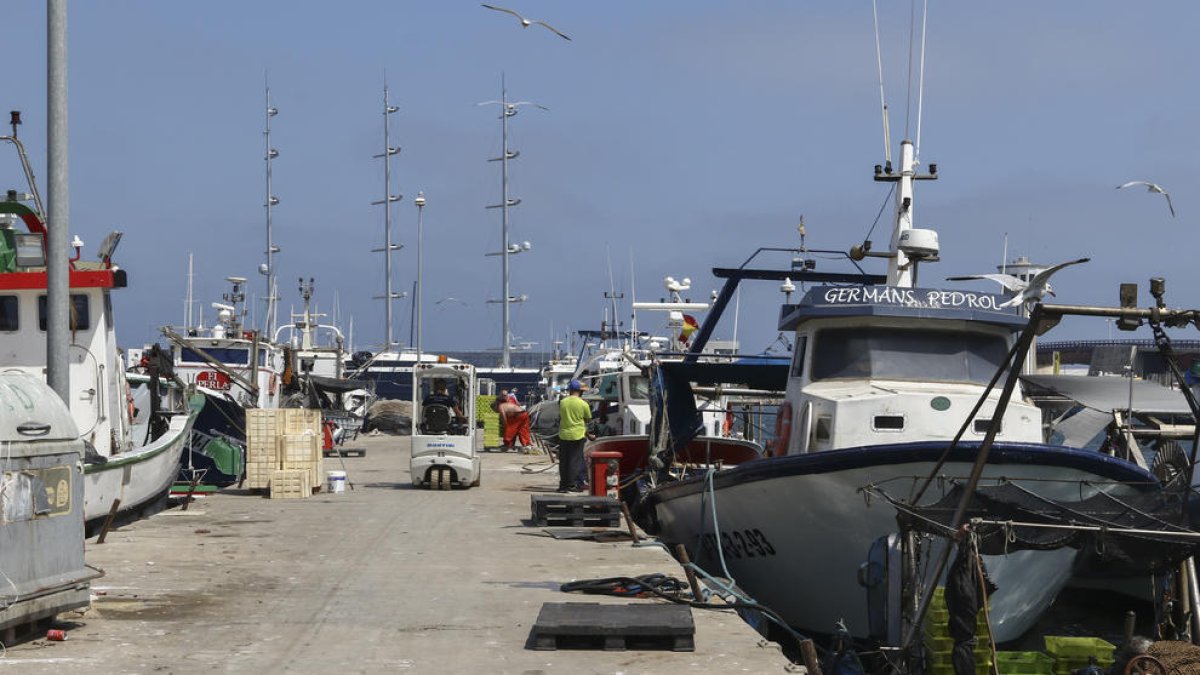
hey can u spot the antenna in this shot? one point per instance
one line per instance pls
(887, 135)
(921, 80)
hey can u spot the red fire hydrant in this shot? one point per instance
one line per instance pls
(605, 474)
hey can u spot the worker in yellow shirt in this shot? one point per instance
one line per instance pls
(573, 416)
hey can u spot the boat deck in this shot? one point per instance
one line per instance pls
(383, 578)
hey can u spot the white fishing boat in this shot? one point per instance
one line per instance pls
(884, 376)
(227, 360)
(134, 453)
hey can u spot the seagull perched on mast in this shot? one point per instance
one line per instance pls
(1027, 292)
(525, 23)
(1151, 187)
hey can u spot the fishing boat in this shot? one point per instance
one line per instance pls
(233, 368)
(133, 453)
(889, 386)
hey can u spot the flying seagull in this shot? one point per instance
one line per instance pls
(525, 23)
(1151, 187)
(1026, 292)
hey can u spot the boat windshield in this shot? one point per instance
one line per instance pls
(921, 354)
(226, 355)
(639, 388)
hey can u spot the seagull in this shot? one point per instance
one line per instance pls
(525, 23)
(450, 299)
(1027, 292)
(1152, 187)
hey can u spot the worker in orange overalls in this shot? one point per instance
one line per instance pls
(515, 421)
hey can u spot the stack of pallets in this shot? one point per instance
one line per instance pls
(281, 445)
(572, 511)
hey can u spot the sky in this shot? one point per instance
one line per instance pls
(679, 137)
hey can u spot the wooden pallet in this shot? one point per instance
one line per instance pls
(575, 511)
(345, 452)
(589, 625)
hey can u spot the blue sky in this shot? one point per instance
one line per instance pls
(680, 136)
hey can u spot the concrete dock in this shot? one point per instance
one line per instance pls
(381, 578)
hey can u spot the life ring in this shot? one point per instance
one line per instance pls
(783, 430)
(727, 425)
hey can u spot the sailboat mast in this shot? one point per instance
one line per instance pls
(272, 201)
(388, 294)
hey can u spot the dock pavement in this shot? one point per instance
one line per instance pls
(381, 578)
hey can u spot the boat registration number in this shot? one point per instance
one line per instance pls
(740, 544)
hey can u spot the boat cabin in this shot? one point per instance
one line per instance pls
(99, 398)
(883, 364)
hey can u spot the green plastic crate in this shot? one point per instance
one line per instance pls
(1078, 649)
(980, 669)
(1024, 663)
(491, 421)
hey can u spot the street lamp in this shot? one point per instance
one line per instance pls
(420, 202)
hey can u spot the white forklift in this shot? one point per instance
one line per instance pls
(445, 452)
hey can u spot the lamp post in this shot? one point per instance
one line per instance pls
(420, 202)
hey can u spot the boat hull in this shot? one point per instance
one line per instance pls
(794, 530)
(140, 475)
(702, 450)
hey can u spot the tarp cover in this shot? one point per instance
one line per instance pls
(1113, 393)
(1157, 510)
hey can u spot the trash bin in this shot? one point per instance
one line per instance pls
(41, 502)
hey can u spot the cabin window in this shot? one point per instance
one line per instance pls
(80, 316)
(915, 354)
(888, 423)
(798, 355)
(226, 355)
(8, 313)
(981, 426)
(824, 429)
(639, 388)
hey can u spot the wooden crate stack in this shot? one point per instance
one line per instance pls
(281, 441)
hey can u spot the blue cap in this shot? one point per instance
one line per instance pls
(575, 385)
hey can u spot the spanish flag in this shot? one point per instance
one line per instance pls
(689, 326)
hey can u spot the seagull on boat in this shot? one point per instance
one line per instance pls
(1027, 292)
(526, 23)
(1151, 187)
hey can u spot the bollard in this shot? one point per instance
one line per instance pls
(604, 476)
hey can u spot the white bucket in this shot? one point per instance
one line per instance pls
(336, 480)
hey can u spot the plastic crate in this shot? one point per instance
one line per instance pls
(1024, 663)
(947, 669)
(291, 484)
(1079, 649)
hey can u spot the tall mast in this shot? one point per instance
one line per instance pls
(506, 337)
(508, 109)
(269, 269)
(187, 302)
(388, 294)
